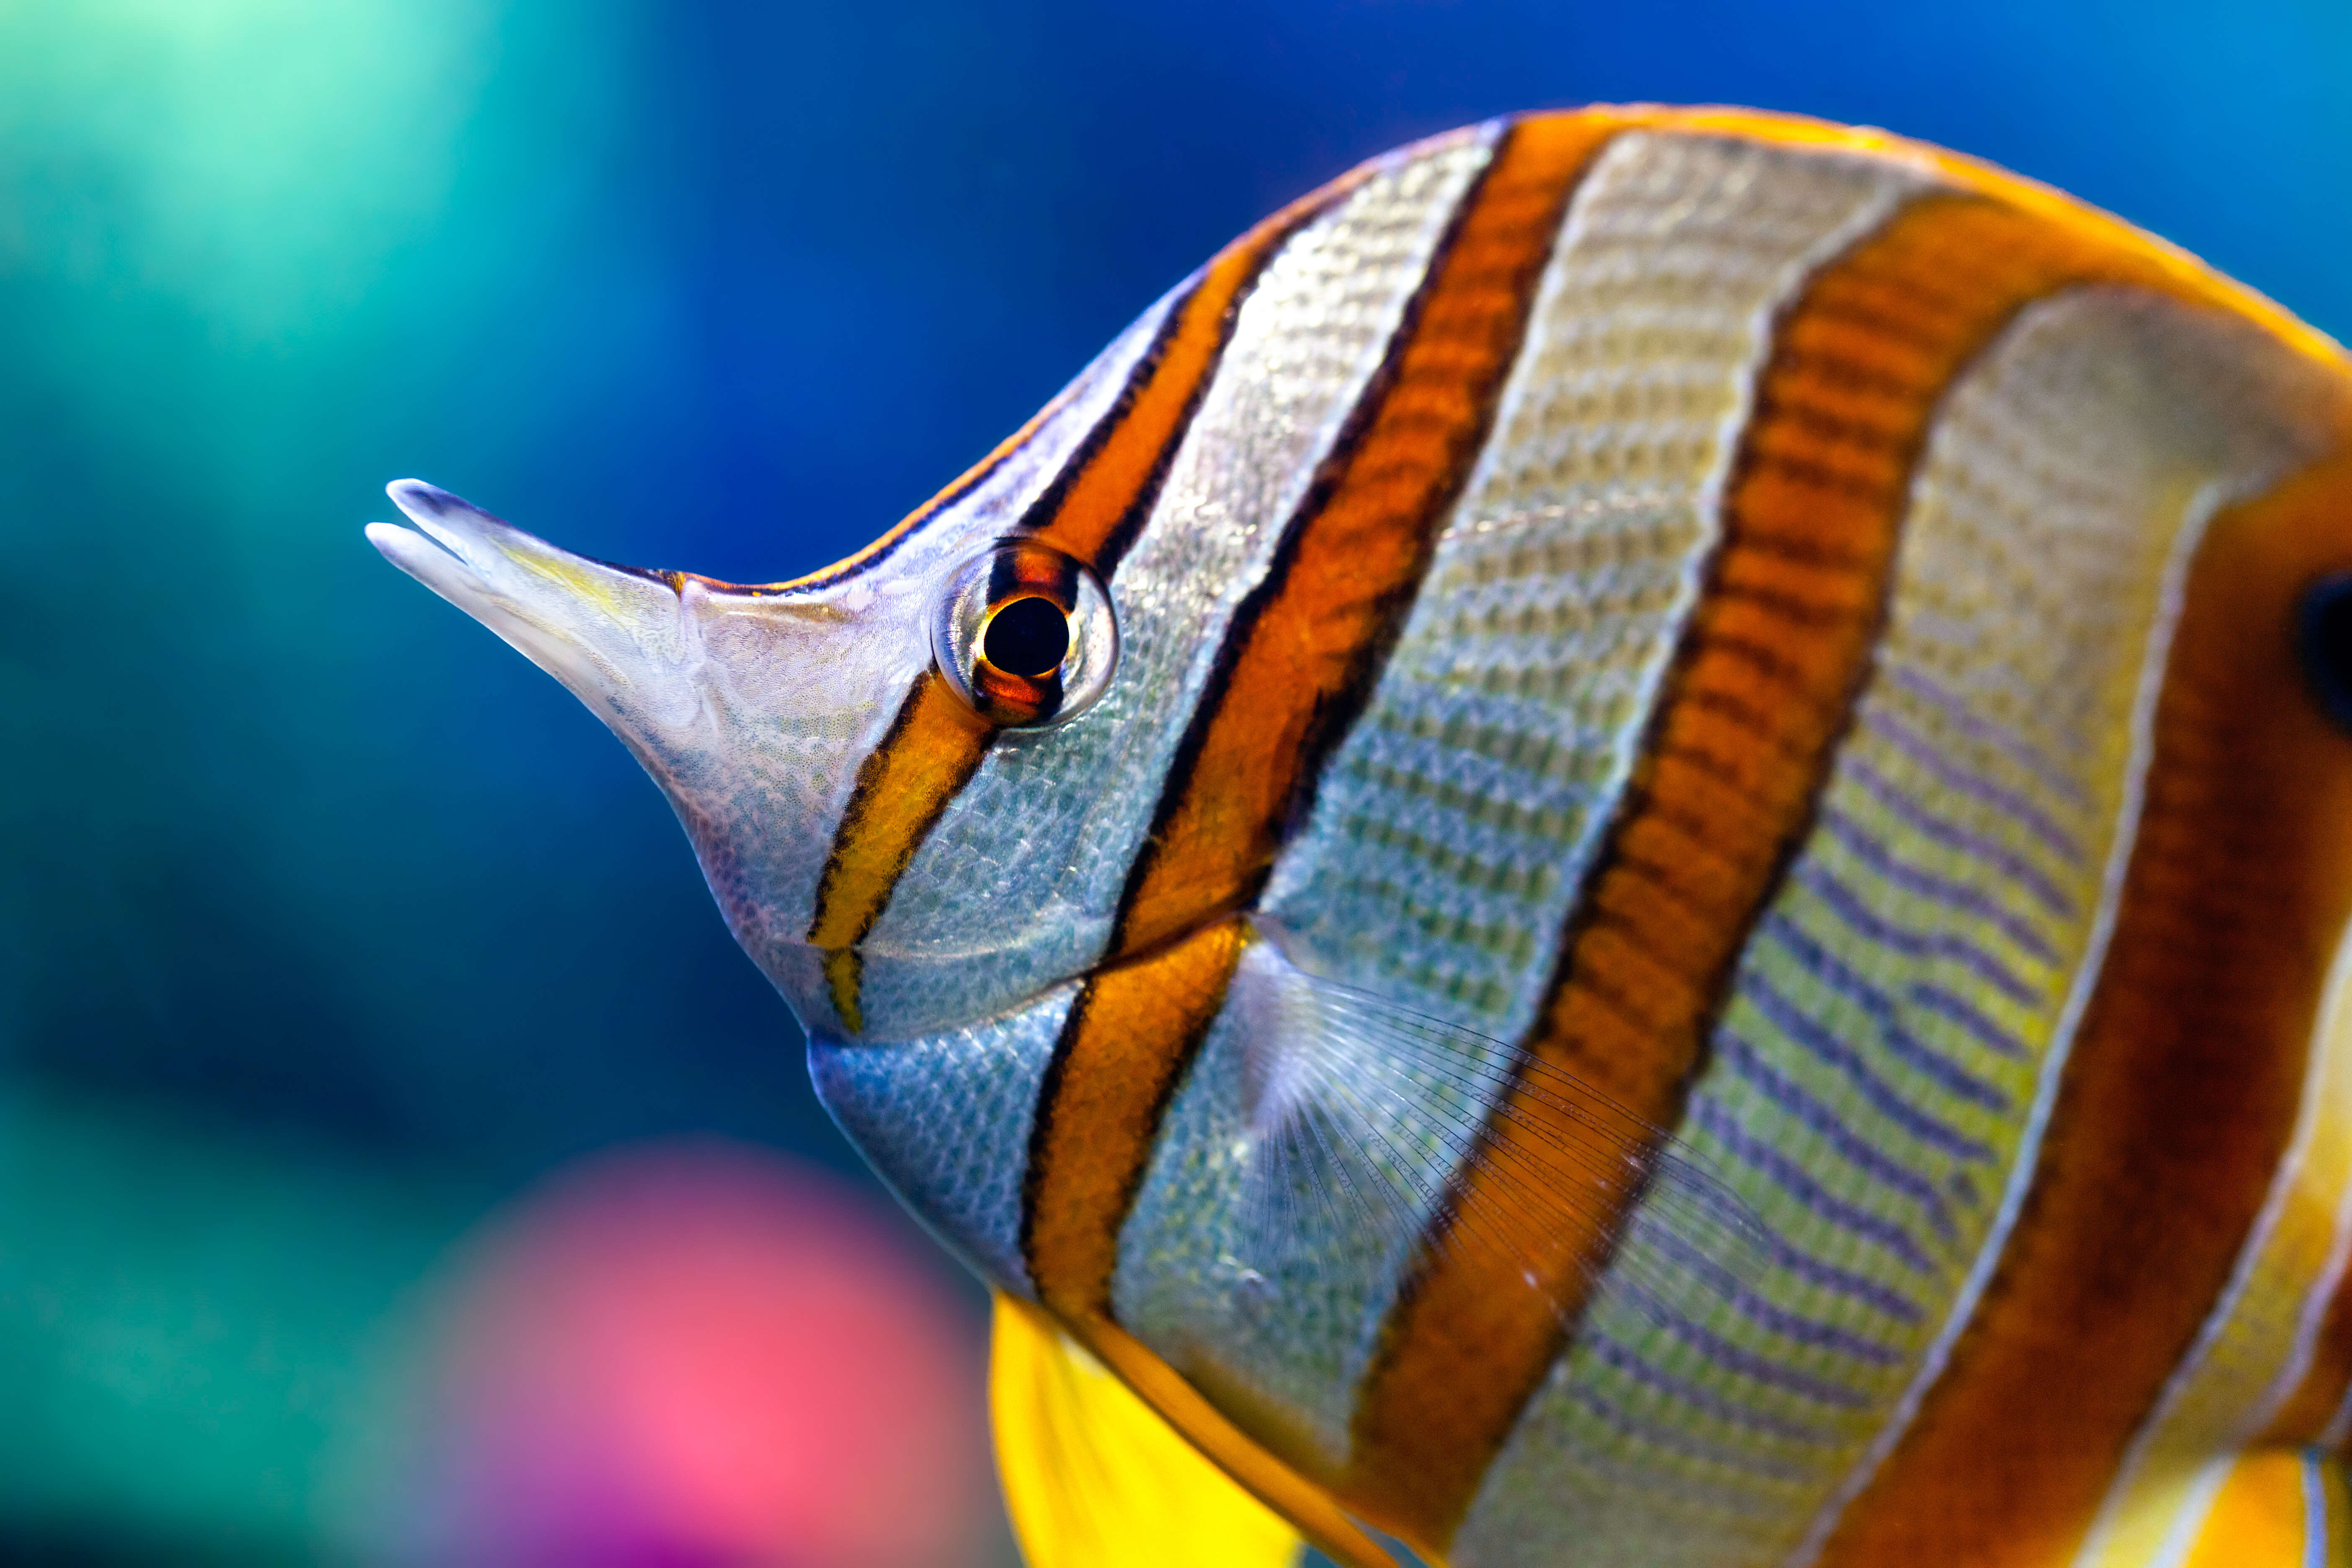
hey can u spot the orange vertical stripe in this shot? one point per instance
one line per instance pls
(1092, 511)
(1095, 507)
(1302, 650)
(1128, 1039)
(1307, 645)
(1758, 694)
(903, 784)
(2179, 1096)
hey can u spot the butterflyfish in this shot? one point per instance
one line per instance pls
(1632, 844)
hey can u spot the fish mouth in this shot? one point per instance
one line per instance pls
(469, 557)
(618, 636)
(442, 525)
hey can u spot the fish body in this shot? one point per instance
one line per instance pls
(1632, 844)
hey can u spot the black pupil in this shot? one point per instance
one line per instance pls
(1027, 636)
(2324, 640)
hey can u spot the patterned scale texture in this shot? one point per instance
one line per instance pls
(1454, 822)
(796, 689)
(946, 1122)
(1438, 863)
(1264, 1333)
(1046, 830)
(1896, 1022)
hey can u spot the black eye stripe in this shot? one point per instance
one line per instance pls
(1050, 572)
(2322, 645)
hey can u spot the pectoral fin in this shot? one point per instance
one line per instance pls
(1094, 1477)
(1364, 1116)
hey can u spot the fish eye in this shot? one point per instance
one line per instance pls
(2323, 643)
(1024, 632)
(1027, 636)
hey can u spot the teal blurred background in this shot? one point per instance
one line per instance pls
(333, 935)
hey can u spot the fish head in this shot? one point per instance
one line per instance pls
(806, 732)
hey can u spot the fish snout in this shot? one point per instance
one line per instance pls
(620, 638)
(750, 707)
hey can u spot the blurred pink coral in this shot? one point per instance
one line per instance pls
(703, 1354)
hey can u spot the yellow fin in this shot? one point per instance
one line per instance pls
(2273, 1508)
(1094, 1478)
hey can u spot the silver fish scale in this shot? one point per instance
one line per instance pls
(1904, 1006)
(1044, 832)
(1453, 823)
(1889, 1048)
(1444, 845)
(946, 1122)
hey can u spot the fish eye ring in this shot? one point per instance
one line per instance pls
(1024, 632)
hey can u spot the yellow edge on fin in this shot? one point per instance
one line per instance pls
(2186, 271)
(1108, 1459)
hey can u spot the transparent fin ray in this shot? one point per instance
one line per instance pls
(1368, 1116)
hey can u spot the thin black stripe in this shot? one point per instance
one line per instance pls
(1042, 511)
(1041, 1122)
(1122, 536)
(1331, 724)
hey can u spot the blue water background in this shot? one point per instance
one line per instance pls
(326, 923)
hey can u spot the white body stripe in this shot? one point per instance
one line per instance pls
(1658, 300)
(1019, 844)
(1196, 1281)
(946, 1122)
(815, 712)
(2181, 1525)
(2060, 467)
(1454, 824)
(1925, 918)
